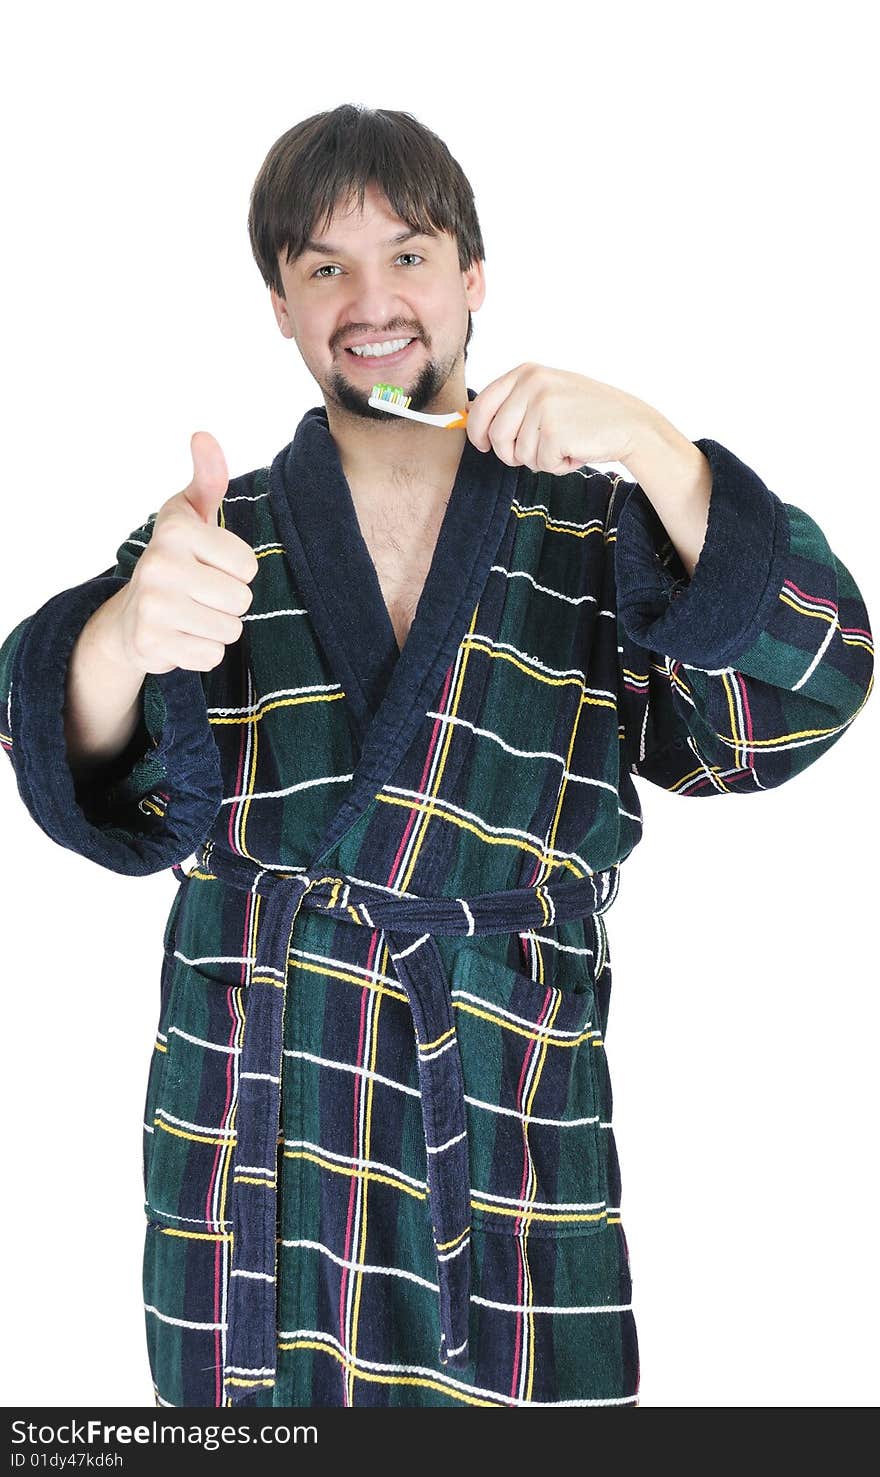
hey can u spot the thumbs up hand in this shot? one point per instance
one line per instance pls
(183, 604)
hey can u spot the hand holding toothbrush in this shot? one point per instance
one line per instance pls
(550, 420)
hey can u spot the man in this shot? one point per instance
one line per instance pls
(380, 705)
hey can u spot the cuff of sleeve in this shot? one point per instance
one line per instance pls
(712, 618)
(172, 747)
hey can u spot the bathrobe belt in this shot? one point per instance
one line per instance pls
(410, 923)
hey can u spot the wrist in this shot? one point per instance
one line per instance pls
(654, 441)
(103, 637)
(676, 478)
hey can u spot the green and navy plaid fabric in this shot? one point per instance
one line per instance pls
(379, 1164)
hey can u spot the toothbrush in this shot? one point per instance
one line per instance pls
(390, 397)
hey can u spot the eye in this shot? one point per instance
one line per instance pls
(331, 267)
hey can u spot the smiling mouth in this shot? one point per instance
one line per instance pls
(377, 360)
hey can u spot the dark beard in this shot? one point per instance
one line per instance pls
(428, 385)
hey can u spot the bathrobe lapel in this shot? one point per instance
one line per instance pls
(387, 691)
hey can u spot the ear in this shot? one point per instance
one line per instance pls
(474, 280)
(282, 317)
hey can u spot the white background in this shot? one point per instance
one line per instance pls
(676, 199)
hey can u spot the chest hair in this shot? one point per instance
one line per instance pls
(400, 525)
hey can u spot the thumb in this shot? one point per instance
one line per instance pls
(210, 476)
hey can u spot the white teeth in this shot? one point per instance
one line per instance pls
(376, 351)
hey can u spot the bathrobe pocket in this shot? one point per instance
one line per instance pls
(159, 1059)
(532, 1101)
(192, 1101)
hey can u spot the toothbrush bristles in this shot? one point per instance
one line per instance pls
(393, 394)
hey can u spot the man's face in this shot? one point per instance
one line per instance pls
(357, 284)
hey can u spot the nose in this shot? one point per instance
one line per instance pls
(374, 303)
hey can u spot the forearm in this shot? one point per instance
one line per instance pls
(102, 703)
(676, 477)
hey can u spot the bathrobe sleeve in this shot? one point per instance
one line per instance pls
(154, 804)
(739, 677)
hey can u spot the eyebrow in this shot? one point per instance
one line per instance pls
(325, 248)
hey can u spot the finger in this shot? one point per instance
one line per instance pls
(220, 548)
(218, 590)
(485, 405)
(194, 654)
(528, 443)
(162, 651)
(191, 618)
(210, 476)
(507, 423)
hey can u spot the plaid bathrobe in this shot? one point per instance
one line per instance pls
(379, 1166)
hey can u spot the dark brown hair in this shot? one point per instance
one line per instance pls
(332, 156)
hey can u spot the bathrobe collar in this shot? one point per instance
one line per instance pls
(387, 691)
